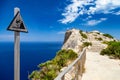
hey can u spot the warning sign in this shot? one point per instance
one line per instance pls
(17, 24)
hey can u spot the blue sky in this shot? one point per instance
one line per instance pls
(47, 20)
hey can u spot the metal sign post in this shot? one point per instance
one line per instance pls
(16, 51)
(17, 25)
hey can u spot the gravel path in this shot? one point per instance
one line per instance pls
(101, 67)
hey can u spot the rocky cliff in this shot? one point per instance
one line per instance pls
(75, 38)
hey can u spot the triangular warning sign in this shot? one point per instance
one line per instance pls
(17, 24)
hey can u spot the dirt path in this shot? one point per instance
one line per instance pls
(101, 67)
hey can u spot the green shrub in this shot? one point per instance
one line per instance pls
(100, 39)
(86, 44)
(83, 35)
(108, 35)
(105, 42)
(50, 69)
(35, 74)
(97, 32)
(63, 56)
(113, 49)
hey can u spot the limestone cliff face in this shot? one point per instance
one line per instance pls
(75, 38)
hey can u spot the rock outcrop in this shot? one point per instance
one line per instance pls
(75, 38)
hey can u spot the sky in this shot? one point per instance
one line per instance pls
(48, 20)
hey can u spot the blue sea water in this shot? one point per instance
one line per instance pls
(31, 54)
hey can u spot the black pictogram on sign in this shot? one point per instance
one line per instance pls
(17, 24)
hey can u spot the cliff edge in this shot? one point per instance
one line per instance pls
(74, 42)
(75, 39)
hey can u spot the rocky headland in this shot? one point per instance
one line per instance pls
(74, 42)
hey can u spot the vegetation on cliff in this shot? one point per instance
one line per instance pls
(99, 39)
(108, 35)
(86, 44)
(112, 50)
(50, 69)
(83, 35)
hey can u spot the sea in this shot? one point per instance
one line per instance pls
(31, 55)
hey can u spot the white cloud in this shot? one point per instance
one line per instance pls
(6, 37)
(104, 6)
(95, 22)
(78, 8)
(61, 32)
(69, 17)
(89, 17)
(117, 13)
(73, 10)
